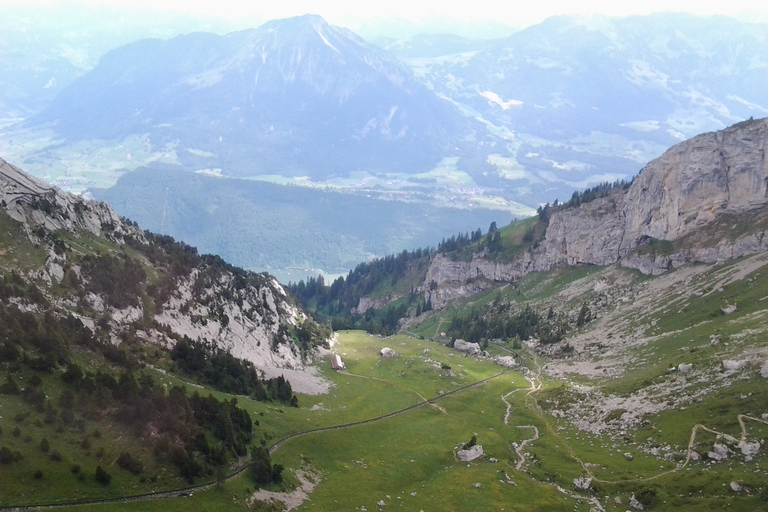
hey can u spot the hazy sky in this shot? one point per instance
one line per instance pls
(517, 13)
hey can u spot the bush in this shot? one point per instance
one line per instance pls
(45, 446)
(472, 442)
(55, 456)
(6, 455)
(129, 463)
(38, 474)
(102, 476)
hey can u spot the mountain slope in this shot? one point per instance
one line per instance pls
(124, 284)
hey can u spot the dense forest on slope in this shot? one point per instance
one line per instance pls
(392, 288)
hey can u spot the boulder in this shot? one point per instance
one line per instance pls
(727, 310)
(387, 352)
(684, 368)
(748, 448)
(695, 455)
(732, 366)
(736, 486)
(381, 503)
(629, 456)
(506, 361)
(467, 347)
(764, 370)
(471, 454)
(719, 452)
(583, 483)
(635, 504)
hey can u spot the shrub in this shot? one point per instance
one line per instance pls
(55, 456)
(38, 474)
(102, 476)
(45, 445)
(6, 455)
(129, 463)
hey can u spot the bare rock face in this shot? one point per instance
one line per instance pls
(689, 187)
(469, 455)
(33, 202)
(467, 347)
(676, 194)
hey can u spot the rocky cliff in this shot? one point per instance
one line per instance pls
(125, 284)
(704, 199)
(34, 203)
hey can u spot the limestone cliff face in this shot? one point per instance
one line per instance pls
(247, 315)
(35, 203)
(694, 182)
(687, 189)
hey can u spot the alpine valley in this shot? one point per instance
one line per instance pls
(606, 354)
(601, 353)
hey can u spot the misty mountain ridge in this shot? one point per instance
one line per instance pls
(295, 97)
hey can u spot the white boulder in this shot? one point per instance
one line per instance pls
(467, 347)
(727, 310)
(732, 365)
(764, 370)
(469, 455)
(684, 368)
(748, 448)
(506, 361)
(387, 352)
(719, 452)
(736, 486)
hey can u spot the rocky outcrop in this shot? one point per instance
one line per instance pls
(582, 483)
(690, 187)
(245, 314)
(675, 195)
(33, 202)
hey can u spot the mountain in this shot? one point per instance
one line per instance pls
(702, 201)
(590, 98)
(81, 260)
(45, 50)
(295, 97)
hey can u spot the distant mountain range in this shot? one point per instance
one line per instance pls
(588, 99)
(435, 119)
(294, 97)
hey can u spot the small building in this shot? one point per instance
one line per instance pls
(337, 363)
